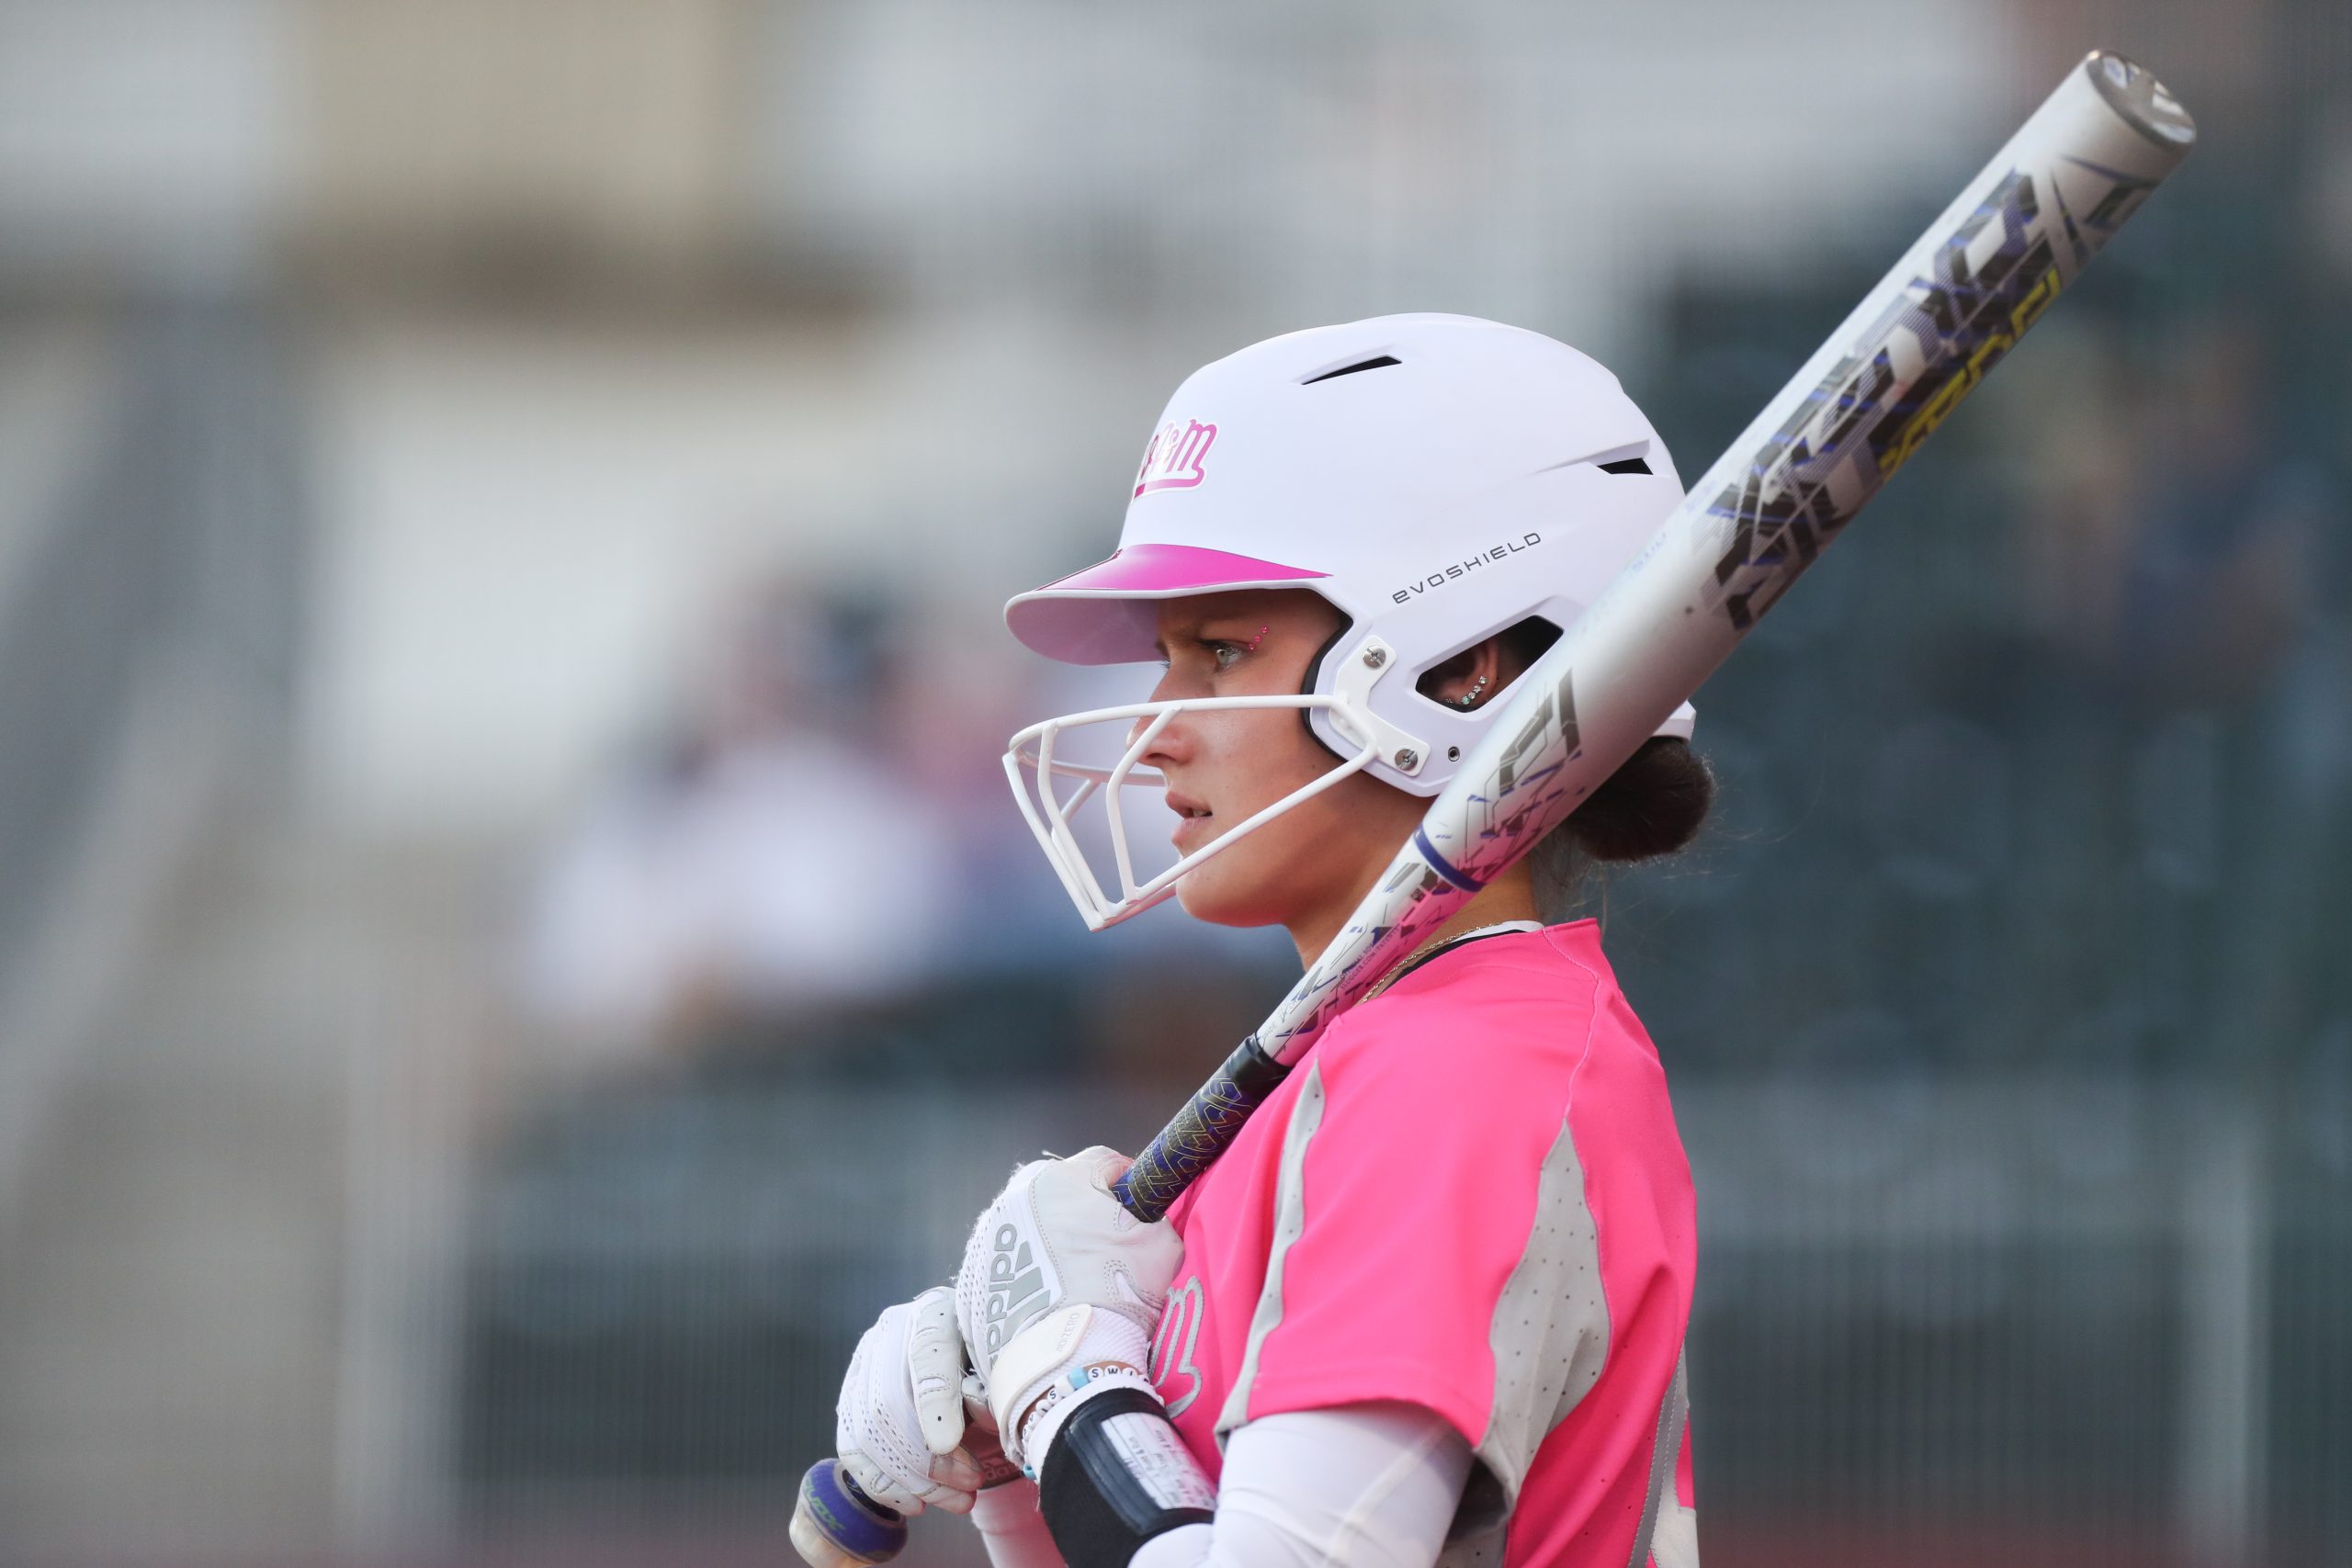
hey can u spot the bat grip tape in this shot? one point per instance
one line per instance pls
(1201, 1132)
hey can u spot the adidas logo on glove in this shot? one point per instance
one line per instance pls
(1016, 1288)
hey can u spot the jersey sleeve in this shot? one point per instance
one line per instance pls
(1369, 1486)
(1438, 1233)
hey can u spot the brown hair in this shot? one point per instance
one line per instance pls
(1651, 806)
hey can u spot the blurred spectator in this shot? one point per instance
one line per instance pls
(960, 688)
(2217, 586)
(2178, 538)
(768, 858)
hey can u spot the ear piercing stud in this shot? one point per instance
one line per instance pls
(1470, 697)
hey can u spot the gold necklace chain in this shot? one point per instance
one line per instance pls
(1400, 967)
(1397, 970)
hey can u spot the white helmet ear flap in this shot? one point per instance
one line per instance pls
(1419, 738)
(1364, 665)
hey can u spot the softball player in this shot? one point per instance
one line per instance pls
(1429, 1306)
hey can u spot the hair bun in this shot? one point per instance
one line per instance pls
(1652, 805)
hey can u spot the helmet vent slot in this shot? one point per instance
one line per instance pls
(1377, 362)
(1625, 466)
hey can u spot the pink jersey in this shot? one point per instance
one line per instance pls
(1471, 1196)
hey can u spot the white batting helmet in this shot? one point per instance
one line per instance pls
(1439, 478)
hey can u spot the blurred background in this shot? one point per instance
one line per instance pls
(513, 943)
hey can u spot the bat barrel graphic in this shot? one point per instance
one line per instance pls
(1916, 345)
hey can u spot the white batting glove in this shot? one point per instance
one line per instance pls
(899, 1425)
(1060, 1291)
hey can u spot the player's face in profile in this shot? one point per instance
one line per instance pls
(1222, 767)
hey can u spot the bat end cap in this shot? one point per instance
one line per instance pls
(2139, 100)
(835, 1526)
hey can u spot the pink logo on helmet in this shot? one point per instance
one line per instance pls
(1174, 459)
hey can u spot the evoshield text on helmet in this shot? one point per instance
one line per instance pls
(1438, 478)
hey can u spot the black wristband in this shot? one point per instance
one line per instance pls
(1116, 1476)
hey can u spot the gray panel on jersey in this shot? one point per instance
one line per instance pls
(1290, 1220)
(1664, 1453)
(1550, 1338)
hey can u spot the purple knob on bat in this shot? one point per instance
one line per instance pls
(836, 1526)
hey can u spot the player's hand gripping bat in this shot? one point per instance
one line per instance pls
(1917, 343)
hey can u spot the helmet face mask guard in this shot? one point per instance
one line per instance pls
(1030, 764)
(1438, 480)
(1031, 767)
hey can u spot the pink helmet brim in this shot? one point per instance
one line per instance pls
(1104, 616)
